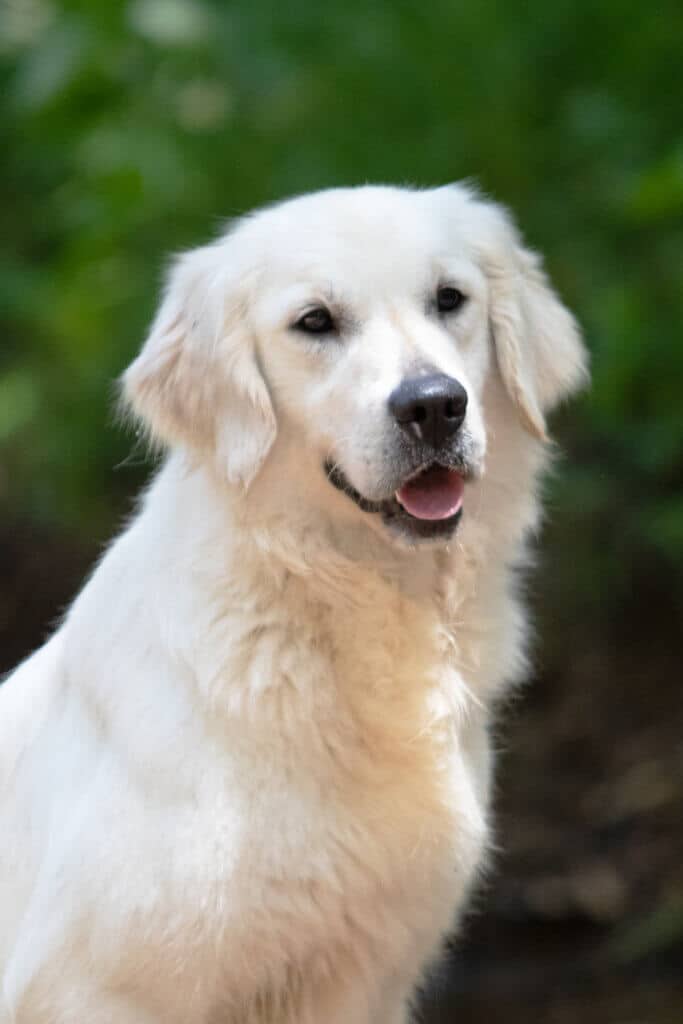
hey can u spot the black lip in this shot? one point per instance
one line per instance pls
(338, 480)
(392, 512)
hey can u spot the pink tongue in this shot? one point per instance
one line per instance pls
(435, 494)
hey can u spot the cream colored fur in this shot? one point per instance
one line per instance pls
(246, 781)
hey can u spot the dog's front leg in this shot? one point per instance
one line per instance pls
(396, 1006)
(360, 1006)
(75, 1001)
(52, 977)
(356, 1012)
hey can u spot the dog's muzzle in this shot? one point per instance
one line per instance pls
(427, 505)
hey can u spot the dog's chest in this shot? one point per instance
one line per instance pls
(355, 816)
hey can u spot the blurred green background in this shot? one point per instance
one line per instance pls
(133, 129)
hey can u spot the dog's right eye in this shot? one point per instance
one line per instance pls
(316, 321)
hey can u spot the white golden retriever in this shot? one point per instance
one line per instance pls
(247, 780)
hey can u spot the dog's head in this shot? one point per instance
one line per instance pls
(359, 327)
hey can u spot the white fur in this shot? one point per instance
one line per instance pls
(247, 780)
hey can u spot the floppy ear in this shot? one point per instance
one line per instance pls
(196, 381)
(538, 345)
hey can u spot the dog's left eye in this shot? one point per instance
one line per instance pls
(448, 299)
(316, 321)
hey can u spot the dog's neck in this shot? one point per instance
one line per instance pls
(286, 526)
(309, 556)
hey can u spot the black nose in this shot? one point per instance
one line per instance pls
(432, 408)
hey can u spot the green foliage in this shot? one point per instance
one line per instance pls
(130, 129)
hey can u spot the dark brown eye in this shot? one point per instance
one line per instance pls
(316, 321)
(449, 299)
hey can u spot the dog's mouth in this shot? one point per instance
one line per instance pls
(432, 495)
(428, 504)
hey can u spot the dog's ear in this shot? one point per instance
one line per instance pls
(538, 345)
(196, 382)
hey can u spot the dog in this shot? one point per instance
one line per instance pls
(247, 779)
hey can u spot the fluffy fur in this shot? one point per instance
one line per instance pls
(246, 781)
